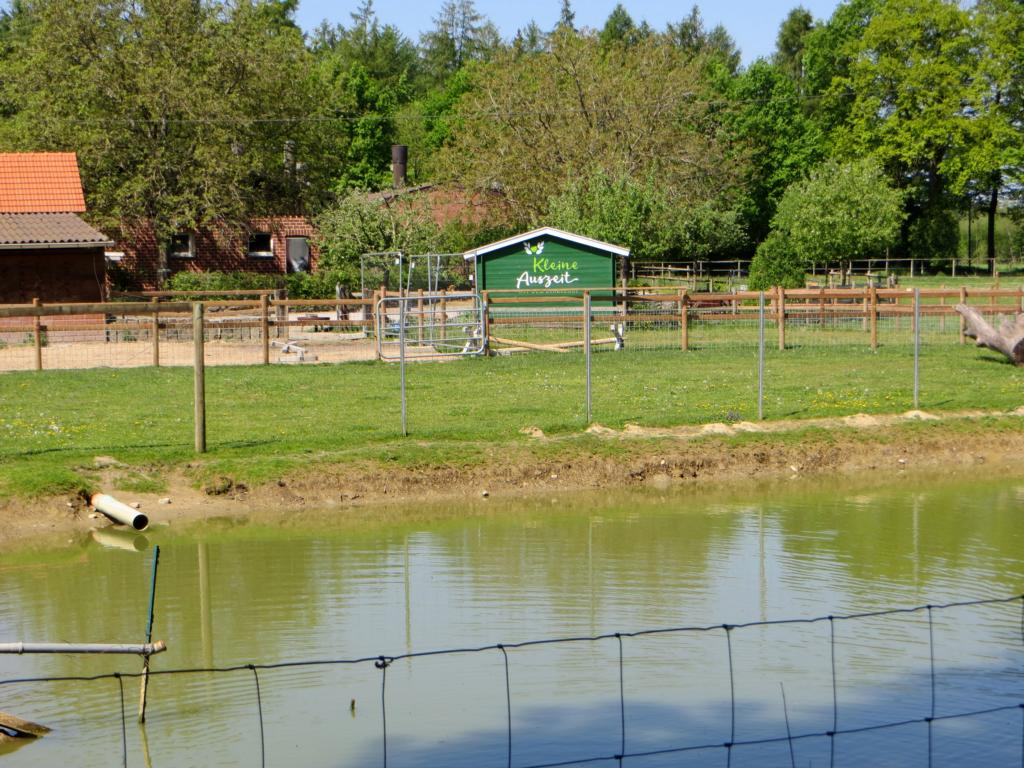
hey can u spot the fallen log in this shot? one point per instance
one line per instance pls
(594, 342)
(1009, 339)
(527, 345)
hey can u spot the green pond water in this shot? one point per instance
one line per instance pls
(235, 593)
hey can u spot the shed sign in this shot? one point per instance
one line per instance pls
(547, 272)
(546, 258)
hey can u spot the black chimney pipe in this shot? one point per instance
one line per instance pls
(399, 161)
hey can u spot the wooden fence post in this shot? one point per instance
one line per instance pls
(282, 312)
(684, 320)
(963, 321)
(265, 327)
(780, 293)
(874, 318)
(199, 376)
(155, 331)
(37, 332)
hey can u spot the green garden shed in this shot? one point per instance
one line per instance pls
(546, 258)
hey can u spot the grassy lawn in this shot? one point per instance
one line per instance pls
(266, 421)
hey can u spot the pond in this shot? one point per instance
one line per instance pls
(308, 588)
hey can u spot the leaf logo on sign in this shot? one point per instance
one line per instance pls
(534, 250)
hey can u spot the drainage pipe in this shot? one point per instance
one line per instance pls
(138, 649)
(119, 512)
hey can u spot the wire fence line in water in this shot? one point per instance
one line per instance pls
(728, 633)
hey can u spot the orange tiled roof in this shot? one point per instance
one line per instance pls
(40, 182)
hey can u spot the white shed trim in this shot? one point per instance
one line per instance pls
(618, 250)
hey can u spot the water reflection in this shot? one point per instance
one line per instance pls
(230, 594)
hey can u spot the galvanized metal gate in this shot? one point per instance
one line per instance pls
(429, 326)
(440, 325)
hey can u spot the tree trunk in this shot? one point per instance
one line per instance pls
(1009, 339)
(993, 205)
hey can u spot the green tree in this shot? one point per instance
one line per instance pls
(531, 124)
(841, 212)
(908, 82)
(644, 215)
(388, 57)
(461, 34)
(789, 44)
(529, 39)
(180, 112)
(716, 45)
(993, 154)
(620, 29)
(360, 223)
(566, 17)
(828, 51)
(784, 143)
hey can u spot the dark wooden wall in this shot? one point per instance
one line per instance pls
(69, 275)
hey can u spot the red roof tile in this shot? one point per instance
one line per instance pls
(40, 182)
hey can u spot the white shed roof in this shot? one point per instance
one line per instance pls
(618, 250)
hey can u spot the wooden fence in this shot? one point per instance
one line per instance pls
(869, 305)
(264, 319)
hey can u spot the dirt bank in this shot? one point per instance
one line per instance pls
(821, 450)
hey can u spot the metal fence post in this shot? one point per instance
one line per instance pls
(760, 356)
(199, 375)
(586, 345)
(401, 356)
(917, 346)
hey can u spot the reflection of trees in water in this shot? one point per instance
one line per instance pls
(914, 538)
(583, 556)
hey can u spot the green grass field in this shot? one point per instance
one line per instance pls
(267, 421)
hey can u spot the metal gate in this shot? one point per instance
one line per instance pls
(426, 326)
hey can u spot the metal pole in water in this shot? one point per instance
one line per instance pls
(586, 344)
(144, 682)
(917, 347)
(760, 356)
(199, 375)
(401, 356)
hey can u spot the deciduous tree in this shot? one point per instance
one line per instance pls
(532, 124)
(840, 213)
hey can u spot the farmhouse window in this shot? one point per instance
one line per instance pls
(261, 245)
(182, 246)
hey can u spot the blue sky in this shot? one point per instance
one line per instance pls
(752, 23)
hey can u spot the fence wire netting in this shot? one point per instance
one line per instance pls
(883, 687)
(658, 356)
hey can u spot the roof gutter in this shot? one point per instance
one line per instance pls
(53, 246)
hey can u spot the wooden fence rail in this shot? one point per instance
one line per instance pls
(268, 314)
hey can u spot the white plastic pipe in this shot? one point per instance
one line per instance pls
(119, 512)
(115, 538)
(139, 649)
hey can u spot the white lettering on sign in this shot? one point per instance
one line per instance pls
(527, 280)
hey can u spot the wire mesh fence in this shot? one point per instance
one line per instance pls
(881, 687)
(825, 351)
